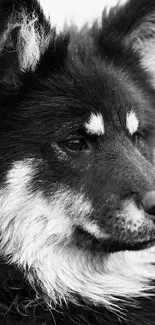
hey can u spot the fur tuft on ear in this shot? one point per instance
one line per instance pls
(31, 42)
(23, 41)
(24, 35)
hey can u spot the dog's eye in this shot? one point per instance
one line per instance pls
(75, 145)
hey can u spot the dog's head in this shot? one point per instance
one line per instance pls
(77, 148)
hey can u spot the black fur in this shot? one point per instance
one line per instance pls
(94, 70)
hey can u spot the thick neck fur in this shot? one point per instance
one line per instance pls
(20, 305)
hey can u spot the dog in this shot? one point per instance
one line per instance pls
(77, 177)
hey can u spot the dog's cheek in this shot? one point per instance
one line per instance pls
(28, 220)
(31, 222)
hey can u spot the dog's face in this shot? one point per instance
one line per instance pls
(77, 154)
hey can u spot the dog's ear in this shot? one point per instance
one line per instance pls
(132, 26)
(25, 37)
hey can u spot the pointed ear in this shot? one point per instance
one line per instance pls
(24, 37)
(133, 25)
(142, 37)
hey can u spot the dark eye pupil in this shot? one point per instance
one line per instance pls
(76, 145)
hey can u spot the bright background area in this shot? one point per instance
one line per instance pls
(79, 12)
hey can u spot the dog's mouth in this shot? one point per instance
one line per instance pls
(117, 246)
(121, 246)
(87, 241)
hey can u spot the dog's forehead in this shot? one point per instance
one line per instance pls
(91, 103)
(96, 125)
(108, 98)
(118, 106)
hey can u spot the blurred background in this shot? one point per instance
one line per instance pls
(79, 12)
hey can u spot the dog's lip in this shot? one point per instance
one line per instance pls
(144, 245)
(122, 246)
(111, 245)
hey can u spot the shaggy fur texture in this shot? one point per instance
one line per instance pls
(76, 165)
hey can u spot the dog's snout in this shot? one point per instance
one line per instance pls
(148, 203)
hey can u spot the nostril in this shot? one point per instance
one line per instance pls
(148, 202)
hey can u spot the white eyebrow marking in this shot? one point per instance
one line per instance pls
(132, 122)
(95, 124)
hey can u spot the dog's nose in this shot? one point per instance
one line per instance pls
(148, 203)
